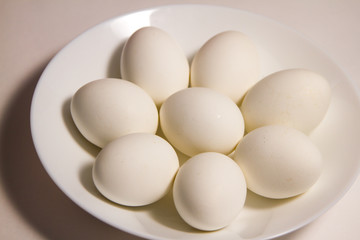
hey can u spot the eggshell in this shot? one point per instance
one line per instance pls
(296, 98)
(152, 59)
(228, 63)
(106, 109)
(278, 161)
(196, 120)
(209, 191)
(136, 169)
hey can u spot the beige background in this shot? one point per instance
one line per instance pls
(31, 32)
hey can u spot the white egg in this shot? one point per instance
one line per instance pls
(136, 169)
(296, 98)
(152, 59)
(106, 109)
(228, 63)
(209, 191)
(196, 120)
(278, 161)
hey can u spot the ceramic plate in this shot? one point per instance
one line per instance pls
(95, 54)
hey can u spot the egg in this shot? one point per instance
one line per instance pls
(106, 109)
(296, 98)
(228, 63)
(209, 191)
(196, 120)
(278, 161)
(152, 59)
(136, 169)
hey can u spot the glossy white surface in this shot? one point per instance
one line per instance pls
(29, 199)
(68, 158)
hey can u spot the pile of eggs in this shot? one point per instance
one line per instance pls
(205, 117)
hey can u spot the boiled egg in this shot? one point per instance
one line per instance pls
(278, 161)
(297, 98)
(228, 63)
(196, 120)
(106, 109)
(152, 59)
(135, 170)
(209, 191)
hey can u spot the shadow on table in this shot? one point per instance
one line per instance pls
(34, 195)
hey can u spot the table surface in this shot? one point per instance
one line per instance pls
(33, 31)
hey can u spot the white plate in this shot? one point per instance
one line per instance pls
(95, 54)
